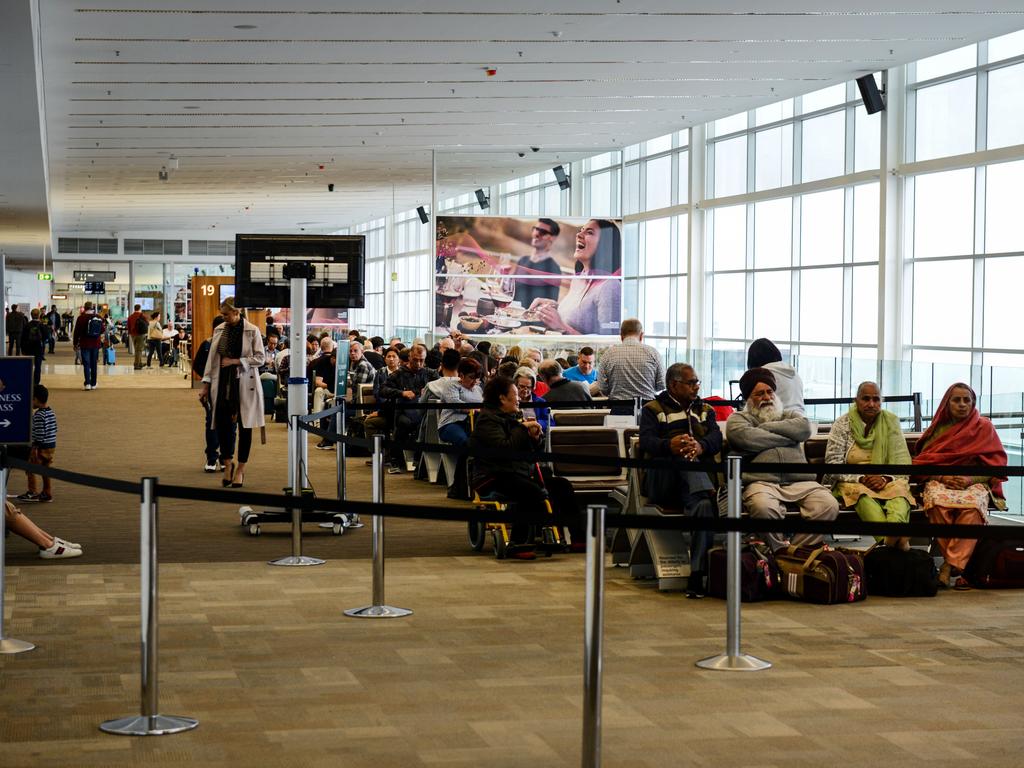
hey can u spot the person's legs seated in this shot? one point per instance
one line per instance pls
(454, 433)
(405, 427)
(870, 511)
(50, 547)
(699, 505)
(819, 504)
(762, 504)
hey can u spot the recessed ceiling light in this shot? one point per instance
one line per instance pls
(245, 26)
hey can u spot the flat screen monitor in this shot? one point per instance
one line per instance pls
(95, 287)
(337, 263)
(225, 291)
(145, 304)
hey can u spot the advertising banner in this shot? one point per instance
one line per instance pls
(503, 275)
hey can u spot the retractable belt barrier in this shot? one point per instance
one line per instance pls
(437, 405)
(638, 522)
(589, 404)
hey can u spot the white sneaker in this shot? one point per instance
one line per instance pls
(59, 550)
(68, 544)
(86, 388)
(210, 467)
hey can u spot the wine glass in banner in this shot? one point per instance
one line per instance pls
(298, 271)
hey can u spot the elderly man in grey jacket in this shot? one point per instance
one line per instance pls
(773, 435)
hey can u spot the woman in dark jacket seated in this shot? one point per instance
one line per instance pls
(499, 428)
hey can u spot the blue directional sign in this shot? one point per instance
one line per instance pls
(16, 400)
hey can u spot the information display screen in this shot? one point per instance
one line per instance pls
(337, 262)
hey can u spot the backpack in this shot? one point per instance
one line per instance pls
(35, 335)
(141, 326)
(95, 327)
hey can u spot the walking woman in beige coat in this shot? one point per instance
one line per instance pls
(231, 382)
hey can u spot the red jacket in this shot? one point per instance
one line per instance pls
(132, 319)
(78, 337)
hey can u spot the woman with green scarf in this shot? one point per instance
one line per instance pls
(869, 435)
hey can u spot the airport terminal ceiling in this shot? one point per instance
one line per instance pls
(252, 108)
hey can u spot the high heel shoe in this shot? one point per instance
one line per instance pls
(226, 481)
(237, 483)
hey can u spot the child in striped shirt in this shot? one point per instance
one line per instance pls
(44, 443)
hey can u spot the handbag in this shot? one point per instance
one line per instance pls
(822, 574)
(759, 574)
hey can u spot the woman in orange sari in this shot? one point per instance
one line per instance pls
(959, 434)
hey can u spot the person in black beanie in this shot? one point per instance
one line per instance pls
(789, 387)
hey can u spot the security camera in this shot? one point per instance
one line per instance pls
(521, 154)
(535, 149)
(330, 187)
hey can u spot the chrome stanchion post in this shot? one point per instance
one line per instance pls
(150, 722)
(378, 610)
(593, 634)
(733, 659)
(296, 557)
(340, 451)
(8, 645)
(351, 518)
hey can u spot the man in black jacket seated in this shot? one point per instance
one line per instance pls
(561, 389)
(405, 385)
(499, 428)
(678, 423)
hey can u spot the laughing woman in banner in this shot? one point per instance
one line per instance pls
(592, 304)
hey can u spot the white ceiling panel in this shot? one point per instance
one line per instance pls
(254, 96)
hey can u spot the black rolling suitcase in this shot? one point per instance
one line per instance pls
(893, 572)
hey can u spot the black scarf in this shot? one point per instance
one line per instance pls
(231, 340)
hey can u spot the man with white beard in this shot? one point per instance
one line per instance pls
(762, 428)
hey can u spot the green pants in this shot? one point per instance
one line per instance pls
(872, 511)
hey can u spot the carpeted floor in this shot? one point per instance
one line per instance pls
(150, 423)
(488, 669)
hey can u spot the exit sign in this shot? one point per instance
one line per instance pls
(44, 276)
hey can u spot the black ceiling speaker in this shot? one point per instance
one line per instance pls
(424, 217)
(482, 199)
(561, 177)
(870, 95)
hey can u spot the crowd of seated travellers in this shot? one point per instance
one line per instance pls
(502, 398)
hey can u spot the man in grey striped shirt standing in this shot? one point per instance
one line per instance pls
(630, 368)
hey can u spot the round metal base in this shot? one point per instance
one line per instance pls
(740, 663)
(294, 561)
(9, 645)
(140, 725)
(378, 612)
(356, 524)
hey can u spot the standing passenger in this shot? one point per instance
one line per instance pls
(231, 382)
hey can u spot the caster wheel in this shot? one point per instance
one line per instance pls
(254, 529)
(477, 536)
(500, 547)
(338, 529)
